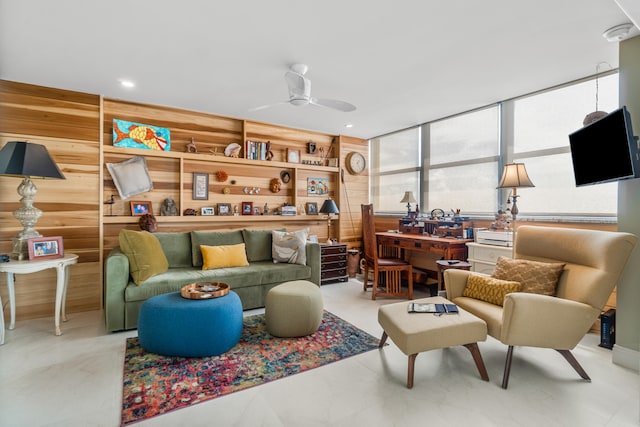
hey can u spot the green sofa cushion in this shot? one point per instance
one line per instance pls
(257, 275)
(212, 238)
(177, 248)
(258, 244)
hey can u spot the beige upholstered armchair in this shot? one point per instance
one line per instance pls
(593, 262)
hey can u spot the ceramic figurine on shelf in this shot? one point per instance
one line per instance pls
(168, 208)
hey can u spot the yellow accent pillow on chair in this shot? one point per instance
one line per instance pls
(489, 289)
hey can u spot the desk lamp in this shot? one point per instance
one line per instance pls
(329, 207)
(514, 175)
(408, 199)
(27, 160)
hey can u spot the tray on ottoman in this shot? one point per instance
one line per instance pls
(204, 290)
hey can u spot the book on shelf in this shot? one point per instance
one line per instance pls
(415, 307)
(256, 150)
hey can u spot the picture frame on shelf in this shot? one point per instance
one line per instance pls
(247, 208)
(224, 209)
(317, 186)
(139, 208)
(256, 210)
(45, 247)
(207, 211)
(200, 186)
(312, 208)
(293, 156)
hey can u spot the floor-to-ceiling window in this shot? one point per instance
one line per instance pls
(456, 162)
(396, 162)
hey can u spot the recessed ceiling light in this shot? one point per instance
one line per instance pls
(127, 83)
(617, 33)
(349, 125)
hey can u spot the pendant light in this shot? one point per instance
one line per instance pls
(596, 115)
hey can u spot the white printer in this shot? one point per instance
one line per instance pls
(494, 237)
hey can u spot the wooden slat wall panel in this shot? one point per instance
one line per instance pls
(354, 191)
(210, 133)
(68, 124)
(282, 138)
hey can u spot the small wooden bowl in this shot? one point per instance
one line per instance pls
(204, 290)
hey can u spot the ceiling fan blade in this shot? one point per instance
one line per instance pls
(263, 107)
(333, 103)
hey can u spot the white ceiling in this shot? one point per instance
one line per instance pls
(401, 62)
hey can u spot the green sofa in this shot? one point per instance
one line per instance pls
(123, 297)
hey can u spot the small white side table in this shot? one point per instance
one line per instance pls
(25, 267)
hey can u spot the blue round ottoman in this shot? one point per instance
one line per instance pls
(171, 325)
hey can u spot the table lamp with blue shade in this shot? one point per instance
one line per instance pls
(27, 160)
(329, 207)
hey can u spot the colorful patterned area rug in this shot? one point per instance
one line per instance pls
(155, 385)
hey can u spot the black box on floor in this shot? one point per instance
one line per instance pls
(608, 329)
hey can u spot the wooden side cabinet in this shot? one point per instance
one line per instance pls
(333, 261)
(483, 257)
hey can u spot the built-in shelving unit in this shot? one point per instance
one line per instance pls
(248, 180)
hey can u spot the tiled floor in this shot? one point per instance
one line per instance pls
(76, 380)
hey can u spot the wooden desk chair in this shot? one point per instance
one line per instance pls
(391, 267)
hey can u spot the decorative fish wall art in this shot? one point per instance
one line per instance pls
(136, 135)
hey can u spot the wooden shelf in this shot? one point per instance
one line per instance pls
(204, 157)
(218, 218)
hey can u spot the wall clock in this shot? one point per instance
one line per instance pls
(356, 163)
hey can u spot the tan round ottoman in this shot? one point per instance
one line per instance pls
(293, 309)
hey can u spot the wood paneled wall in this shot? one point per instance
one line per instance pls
(68, 124)
(354, 191)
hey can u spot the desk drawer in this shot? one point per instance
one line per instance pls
(417, 245)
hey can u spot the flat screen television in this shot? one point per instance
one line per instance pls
(605, 150)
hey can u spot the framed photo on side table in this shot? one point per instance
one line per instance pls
(45, 247)
(141, 208)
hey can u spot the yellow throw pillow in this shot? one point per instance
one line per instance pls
(534, 276)
(223, 256)
(489, 289)
(146, 257)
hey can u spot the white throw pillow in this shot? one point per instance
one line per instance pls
(131, 176)
(289, 247)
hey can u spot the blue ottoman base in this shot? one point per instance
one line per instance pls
(174, 326)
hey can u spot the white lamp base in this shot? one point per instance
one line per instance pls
(28, 215)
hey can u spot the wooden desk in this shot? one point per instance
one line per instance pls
(448, 248)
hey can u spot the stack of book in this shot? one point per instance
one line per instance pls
(256, 150)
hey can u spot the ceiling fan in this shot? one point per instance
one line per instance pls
(300, 92)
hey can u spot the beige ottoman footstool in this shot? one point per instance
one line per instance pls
(293, 309)
(417, 332)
